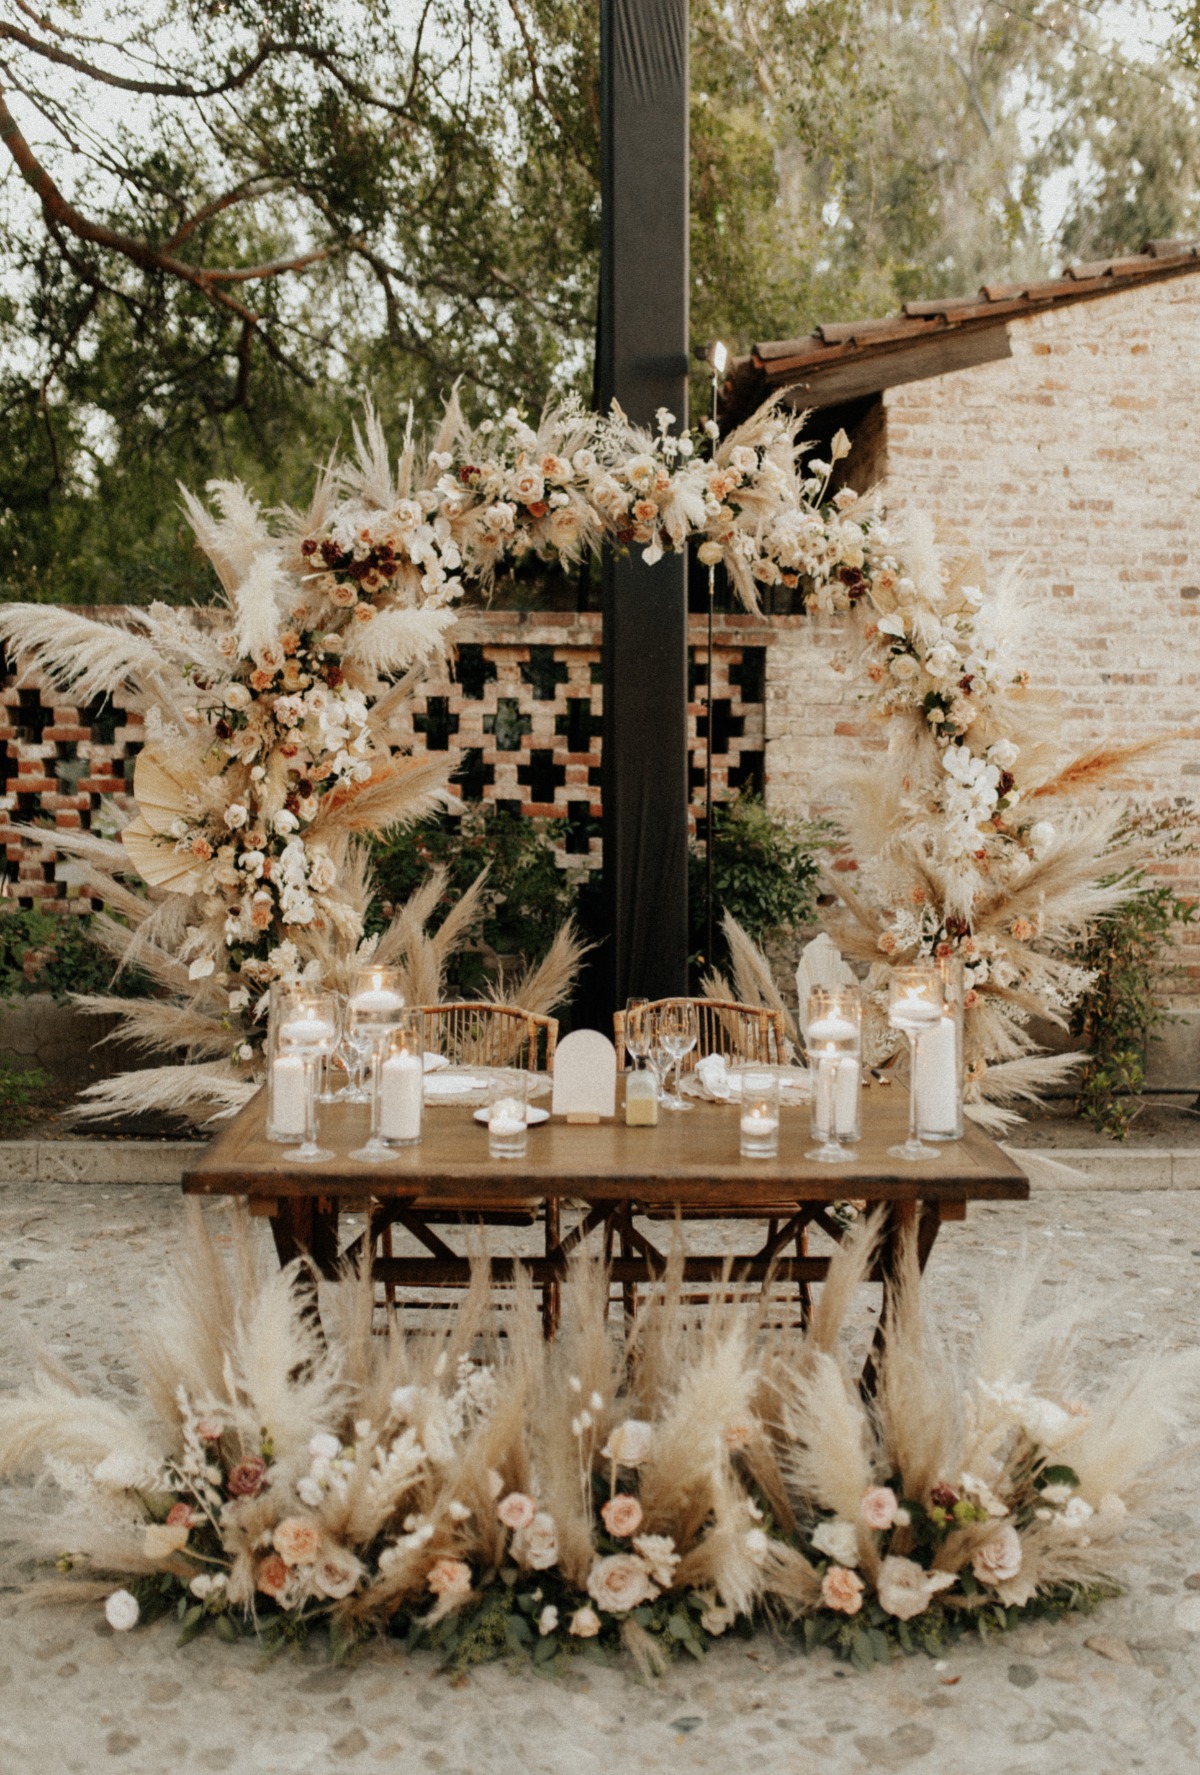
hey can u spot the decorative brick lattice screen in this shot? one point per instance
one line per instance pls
(521, 701)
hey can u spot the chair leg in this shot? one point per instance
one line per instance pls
(551, 1290)
(804, 1289)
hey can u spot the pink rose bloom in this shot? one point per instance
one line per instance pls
(297, 1540)
(516, 1510)
(247, 1479)
(842, 1590)
(181, 1516)
(622, 1515)
(879, 1507)
(449, 1577)
(273, 1576)
(210, 1430)
(999, 1559)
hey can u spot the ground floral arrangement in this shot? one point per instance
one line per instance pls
(705, 1472)
(274, 734)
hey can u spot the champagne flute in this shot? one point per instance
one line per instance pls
(914, 1007)
(678, 1030)
(637, 1029)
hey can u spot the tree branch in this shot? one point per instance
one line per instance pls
(162, 89)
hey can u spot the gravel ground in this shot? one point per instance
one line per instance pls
(75, 1263)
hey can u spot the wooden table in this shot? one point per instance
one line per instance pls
(624, 1180)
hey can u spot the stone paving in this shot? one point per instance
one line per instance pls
(75, 1264)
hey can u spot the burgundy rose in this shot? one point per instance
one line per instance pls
(944, 1495)
(247, 1479)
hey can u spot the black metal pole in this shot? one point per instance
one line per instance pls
(643, 363)
(709, 835)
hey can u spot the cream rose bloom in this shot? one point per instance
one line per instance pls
(336, 1573)
(711, 553)
(629, 1444)
(659, 1553)
(879, 1507)
(999, 1559)
(297, 1540)
(903, 667)
(121, 1611)
(536, 1545)
(620, 1583)
(449, 1579)
(585, 1623)
(906, 1589)
(161, 1539)
(838, 1539)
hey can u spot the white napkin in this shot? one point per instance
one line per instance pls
(434, 1062)
(713, 1074)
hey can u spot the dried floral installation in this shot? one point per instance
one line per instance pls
(974, 836)
(273, 745)
(647, 1489)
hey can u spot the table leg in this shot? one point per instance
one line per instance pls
(551, 1291)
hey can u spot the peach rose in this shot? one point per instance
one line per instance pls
(297, 1540)
(516, 1510)
(344, 596)
(1021, 929)
(585, 1623)
(182, 1516)
(842, 1590)
(622, 1515)
(260, 680)
(879, 1507)
(449, 1578)
(273, 1576)
(202, 848)
(620, 1583)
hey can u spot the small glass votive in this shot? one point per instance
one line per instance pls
(760, 1112)
(508, 1126)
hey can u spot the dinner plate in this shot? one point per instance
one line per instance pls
(453, 1084)
(533, 1115)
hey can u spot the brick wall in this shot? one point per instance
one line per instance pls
(521, 701)
(1079, 456)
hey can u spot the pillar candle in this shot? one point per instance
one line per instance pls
(401, 1088)
(288, 1095)
(937, 1079)
(846, 1097)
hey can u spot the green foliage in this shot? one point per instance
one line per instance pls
(765, 871)
(527, 895)
(1122, 1009)
(19, 1087)
(55, 953)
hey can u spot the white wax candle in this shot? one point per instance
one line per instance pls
(914, 1007)
(376, 1001)
(401, 1089)
(824, 1061)
(759, 1121)
(306, 1032)
(506, 1116)
(937, 1079)
(846, 1096)
(288, 1095)
(832, 1029)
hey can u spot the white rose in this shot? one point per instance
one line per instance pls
(659, 1553)
(903, 667)
(711, 553)
(536, 1545)
(838, 1539)
(121, 1611)
(905, 1589)
(1041, 835)
(620, 1583)
(336, 1573)
(547, 1620)
(629, 1444)
(236, 815)
(1003, 754)
(640, 471)
(236, 696)
(585, 1623)
(285, 821)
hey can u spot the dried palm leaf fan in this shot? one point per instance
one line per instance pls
(160, 792)
(157, 861)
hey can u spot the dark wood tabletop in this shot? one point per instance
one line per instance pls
(691, 1159)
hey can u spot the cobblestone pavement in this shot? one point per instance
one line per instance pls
(75, 1264)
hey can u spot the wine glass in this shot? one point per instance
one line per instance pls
(637, 1029)
(358, 1044)
(678, 1032)
(914, 1007)
(328, 1093)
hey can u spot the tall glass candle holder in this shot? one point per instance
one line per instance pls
(286, 1086)
(759, 1123)
(940, 1062)
(833, 1039)
(399, 1091)
(375, 1010)
(306, 1026)
(914, 1008)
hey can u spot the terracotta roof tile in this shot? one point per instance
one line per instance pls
(831, 347)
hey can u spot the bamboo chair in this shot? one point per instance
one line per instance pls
(473, 1033)
(740, 1032)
